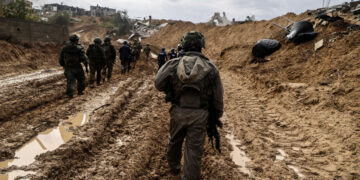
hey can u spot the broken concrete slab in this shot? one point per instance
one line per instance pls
(319, 44)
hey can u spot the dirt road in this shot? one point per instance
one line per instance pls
(124, 129)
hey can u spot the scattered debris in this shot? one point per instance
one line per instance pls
(301, 31)
(319, 44)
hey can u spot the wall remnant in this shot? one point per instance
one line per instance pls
(16, 30)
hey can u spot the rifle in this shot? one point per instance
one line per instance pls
(212, 131)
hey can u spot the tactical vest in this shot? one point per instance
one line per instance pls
(71, 56)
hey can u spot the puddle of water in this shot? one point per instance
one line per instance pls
(238, 156)
(296, 170)
(48, 140)
(28, 77)
(15, 174)
(280, 157)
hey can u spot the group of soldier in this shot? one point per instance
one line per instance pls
(189, 79)
(101, 59)
(163, 57)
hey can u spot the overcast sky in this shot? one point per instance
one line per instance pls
(199, 10)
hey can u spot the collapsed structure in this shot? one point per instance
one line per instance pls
(219, 20)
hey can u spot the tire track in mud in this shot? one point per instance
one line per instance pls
(283, 143)
(72, 156)
(21, 128)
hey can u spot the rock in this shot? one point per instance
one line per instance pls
(319, 44)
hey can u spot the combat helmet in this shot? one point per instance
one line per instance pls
(97, 40)
(193, 41)
(107, 39)
(73, 38)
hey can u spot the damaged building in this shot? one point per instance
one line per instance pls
(219, 20)
(98, 11)
(60, 8)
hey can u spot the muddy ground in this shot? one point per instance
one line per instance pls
(126, 134)
(295, 129)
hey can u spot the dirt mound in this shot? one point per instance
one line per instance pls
(335, 66)
(18, 58)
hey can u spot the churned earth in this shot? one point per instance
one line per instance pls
(295, 117)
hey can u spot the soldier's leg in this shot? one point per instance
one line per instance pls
(194, 147)
(110, 69)
(98, 75)
(80, 77)
(70, 79)
(176, 139)
(92, 75)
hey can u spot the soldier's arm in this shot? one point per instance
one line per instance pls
(83, 56)
(114, 53)
(164, 74)
(61, 58)
(218, 93)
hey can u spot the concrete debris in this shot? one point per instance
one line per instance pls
(319, 44)
(356, 11)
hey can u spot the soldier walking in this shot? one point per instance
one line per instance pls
(162, 58)
(192, 84)
(172, 54)
(147, 51)
(97, 61)
(110, 57)
(71, 57)
(125, 54)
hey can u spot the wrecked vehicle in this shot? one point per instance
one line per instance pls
(301, 31)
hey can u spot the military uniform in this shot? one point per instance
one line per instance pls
(110, 56)
(97, 61)
(162, 58)
(71, 57)
(125, 55)
(192, 84)
(147, 51)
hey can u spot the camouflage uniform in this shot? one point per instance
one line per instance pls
(110, 56)
(97, 61)
(192, 84)
(147, 51)
(71, 56)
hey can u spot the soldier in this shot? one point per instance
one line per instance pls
(147, 51)
(72, 54)
(137, 49)
(162, 58)
(125, 53)
(192, 84)
(110, 56)
(97, 61)
(180, 50)
(172, 54)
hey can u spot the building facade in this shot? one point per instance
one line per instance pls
(98, 11)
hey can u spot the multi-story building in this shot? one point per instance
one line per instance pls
(72, 11)
(98, 11)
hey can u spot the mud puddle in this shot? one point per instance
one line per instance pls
(281, 157)
(48, 140)
(238, 156)
(29, 77)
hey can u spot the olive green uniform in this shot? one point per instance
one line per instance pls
(97, 61)
(110, 56)
(71, 57)
(147, 51)
(192, 84)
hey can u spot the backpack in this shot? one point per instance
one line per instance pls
(108, 53)
(193, 95)
(71, 57)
